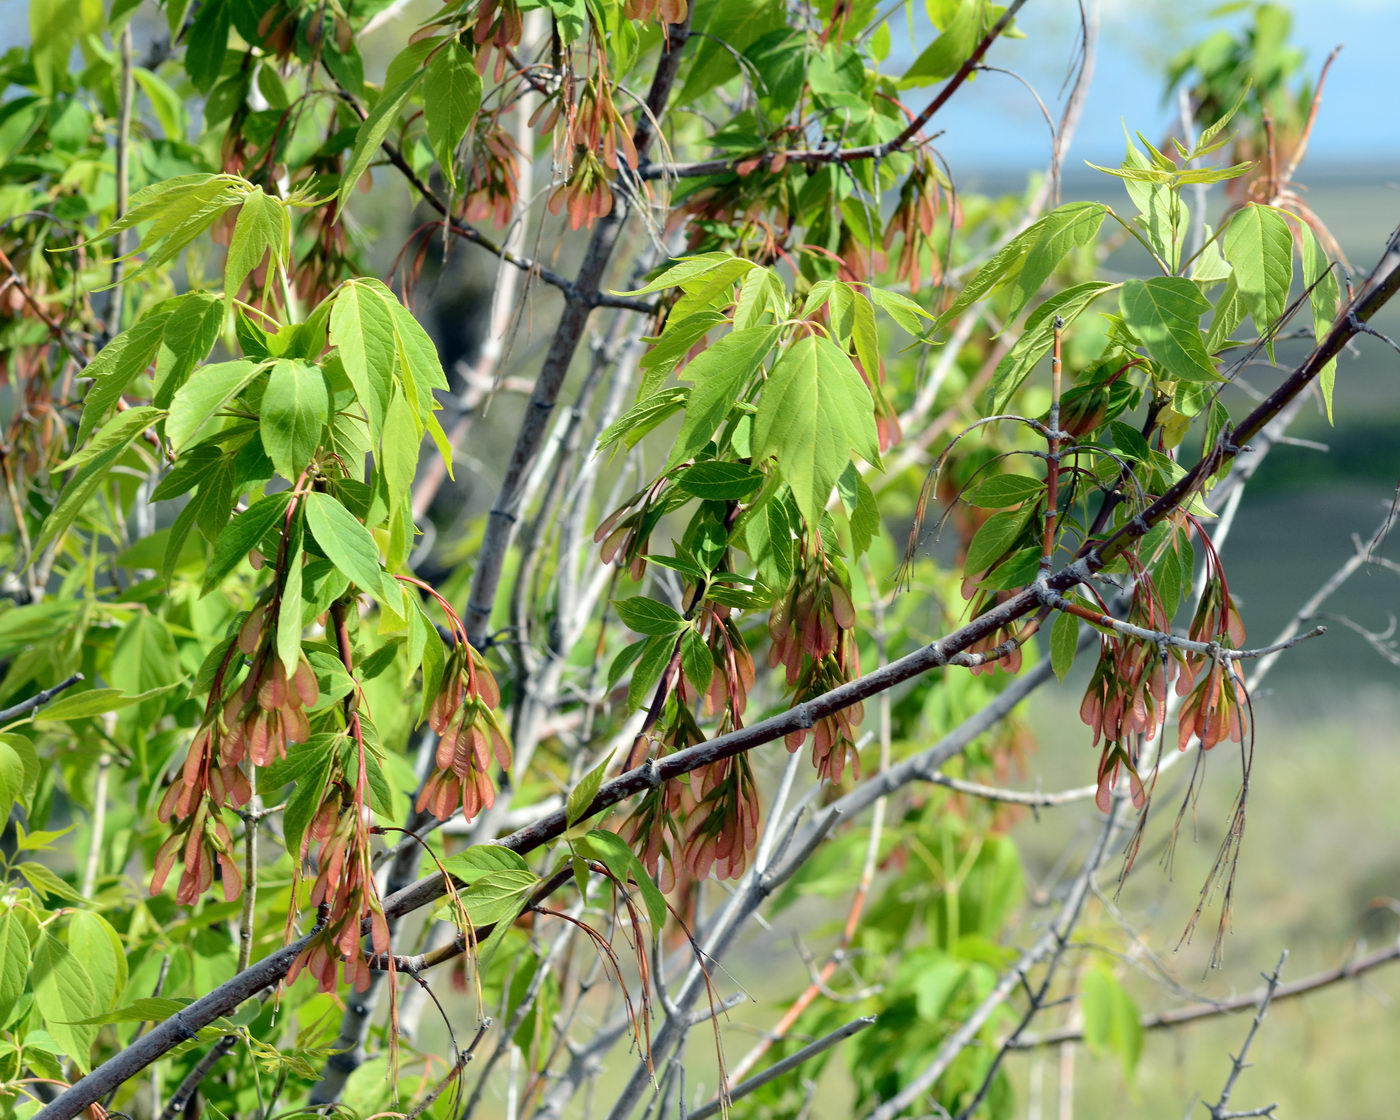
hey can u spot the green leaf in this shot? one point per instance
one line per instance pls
(241, 535)
(647, 616)
(96, 701)
(499, 895)
(1110, 1018)
(697, 663)
(942, 58)
(610, 850)
(676, 341)
(720, 481)
(481, 860)
(79, 490)
(720, 374)
(813, 413)
(144, 659)
(1064, 643)
(1004, 490)
(289, 610)
(372, 132)
(120, 430)
(399, 446)
(362, 329)
(684, 270)
(1259, 247)
(1059, 232)
(655, 656)
(117, 365)
(264, 226)
(345, 541)
(14, 962)
(12, 783)
(44, 880)
(582, 795)
(1165, 313)
(1320, 277)
(451, 97)
(200, 398)
(1062, 228)
(908, 315)
(208, 43)
(63, 995)
(294, 412)
(94, 942)
(864, 515)
(417, 352)
(1038, 338)
(151, 1009)
(178, 216)
(643, 417)
(995, 539)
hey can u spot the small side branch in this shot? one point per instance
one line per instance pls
(792, 1061)
(38, 700)
(1220, 1110)
(1183, 1015)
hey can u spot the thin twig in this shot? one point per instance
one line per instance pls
(1050, 942)
(1176, 1017)
(122, 157)
(39, 699)
(1220, 1110)
(792, 1061)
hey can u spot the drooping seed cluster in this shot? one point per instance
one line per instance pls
(470, 736)
(812, 632)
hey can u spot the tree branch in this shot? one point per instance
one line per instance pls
(505, 510)
(1179, 1016)
(39, 699)
(792, 1061)
(1379, 288)
(816, 156)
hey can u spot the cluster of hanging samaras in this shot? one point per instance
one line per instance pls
(251, 722)
(1126, 701)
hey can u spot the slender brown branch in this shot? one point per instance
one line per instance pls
(1179, 1016)
(792, 1061)
(837, 154)
(950, 650)
(505, 510)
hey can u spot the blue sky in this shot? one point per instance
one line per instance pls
(997, 124)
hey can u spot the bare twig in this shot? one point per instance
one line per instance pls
(837, 154)
(1050, 944)
(1180, 1016)
(792, 1061)
(1220, 1110)
(39, 699)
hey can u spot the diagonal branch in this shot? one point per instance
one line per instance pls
(505, 510)
(1380, 286)
(816, 156)
(792, 1061)
(38, 700)
(1179, 1016)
